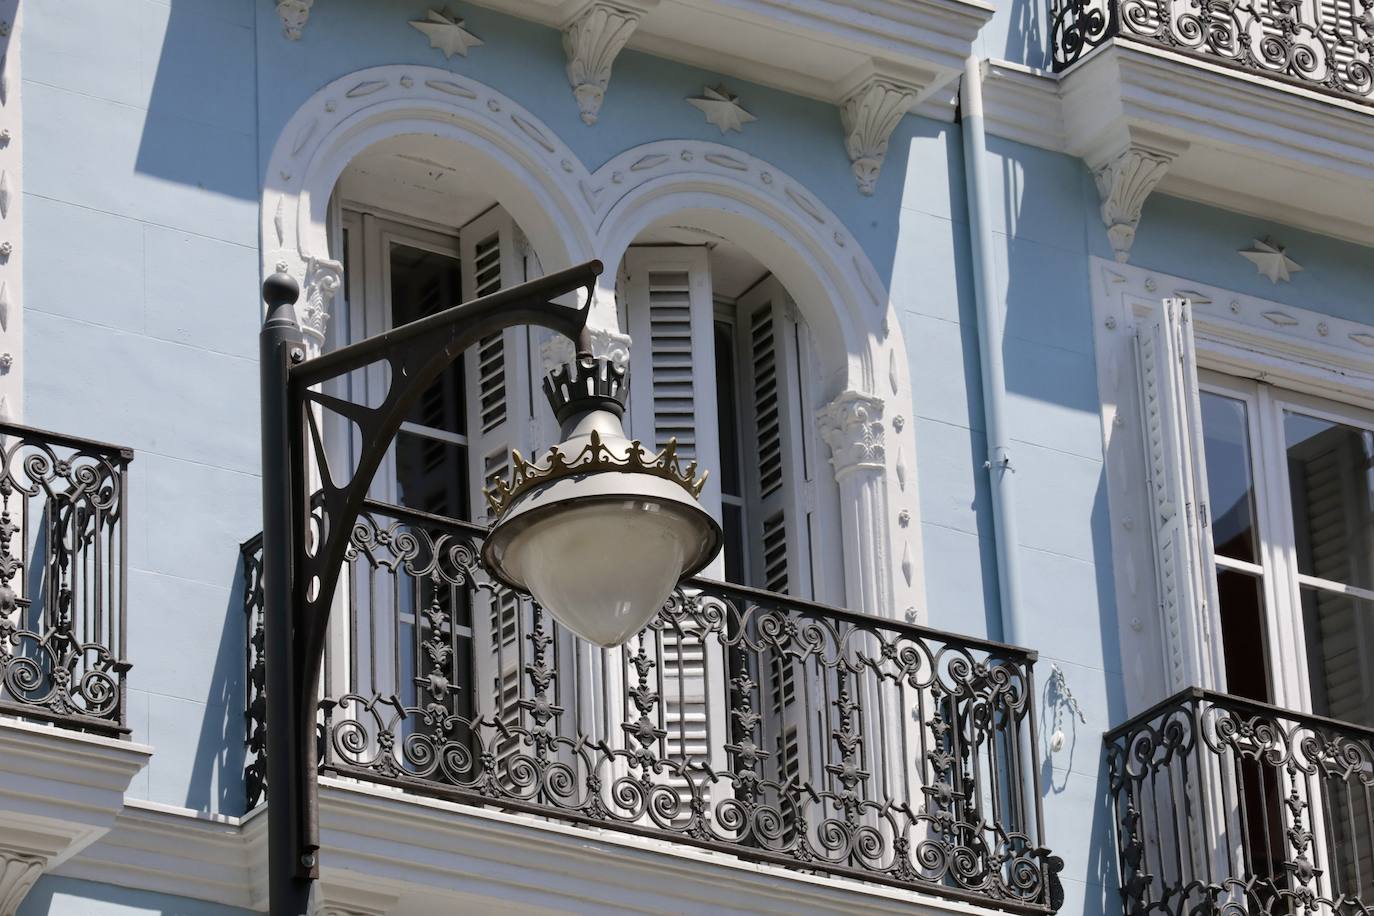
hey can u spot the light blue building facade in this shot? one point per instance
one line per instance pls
(997, 323)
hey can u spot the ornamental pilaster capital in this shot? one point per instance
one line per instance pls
(852, 427)
(593, 37)
(613, 345)
(869, 114)
(323, 278)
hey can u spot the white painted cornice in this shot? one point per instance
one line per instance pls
(60, 791)
(388, 852)
(1243, 143)
(808, 47)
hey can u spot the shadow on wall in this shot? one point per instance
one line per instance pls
(216, 781)
(1068, 584)
(1028, 33)
(200, 129)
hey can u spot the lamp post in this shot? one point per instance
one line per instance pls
(599, 533)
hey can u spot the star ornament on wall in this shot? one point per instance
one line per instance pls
(446, 32)
(1270, 260)
(722, 109)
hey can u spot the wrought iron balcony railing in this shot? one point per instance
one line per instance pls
(63, 563)
(1324, 45)
(739, 720)
(1226, 806)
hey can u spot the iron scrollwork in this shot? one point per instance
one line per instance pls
(1276, 810)
(738, 720)
(1326, 47)
(62, 578)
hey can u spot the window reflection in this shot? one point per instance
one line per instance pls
(1330, 489)
(1230, 479)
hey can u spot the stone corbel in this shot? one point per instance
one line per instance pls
(19, 871)
(333, 899)
(1124, 180)
(323, 278)
(592, 38)
(294, 14)
(869, 114)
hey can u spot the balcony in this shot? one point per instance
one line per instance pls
(1223, 805)
(1325, 47)
(742, 722)
(63, 558)
(1264, 107)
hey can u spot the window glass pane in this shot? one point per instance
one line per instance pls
(431, 475)
(733, 524)
(1340, 644)
(1230, 480)
(1242, 634)
(726, 410)
(1329, 484)
(422, 283)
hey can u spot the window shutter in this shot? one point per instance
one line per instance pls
(673, 396)
(780, 482)
(673, 391)
(1184, 569)
(497, 388)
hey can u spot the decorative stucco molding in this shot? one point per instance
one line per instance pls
(613, 345)
(852, 426)
(336, 898)
(294, 15)
(11, 215)
(722, 108)
(1123, 184)
(323, 278)
(869, 115)
(1271, 260)
(447, 32)
(592, 39)
(18, 873)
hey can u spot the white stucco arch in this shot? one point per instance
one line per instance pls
(571, 214)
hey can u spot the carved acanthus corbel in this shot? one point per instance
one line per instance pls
(592, 39)
(294, 14)
(1123, 184)
(323, 278)
(852, 426)
(18, 872)
(869, 116)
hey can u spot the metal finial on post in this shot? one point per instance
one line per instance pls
(280, 289)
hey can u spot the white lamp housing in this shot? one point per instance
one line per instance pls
(601, 533)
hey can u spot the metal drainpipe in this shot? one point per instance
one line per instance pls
(991, 320)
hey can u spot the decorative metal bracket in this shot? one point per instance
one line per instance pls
(305, 535)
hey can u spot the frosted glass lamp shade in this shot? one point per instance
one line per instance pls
(602, 552)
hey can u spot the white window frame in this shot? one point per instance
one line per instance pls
(1265, 406)
(1305, 353)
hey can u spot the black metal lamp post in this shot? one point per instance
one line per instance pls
(599, 533)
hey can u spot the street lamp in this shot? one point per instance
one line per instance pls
(599, 532)
(602, 531)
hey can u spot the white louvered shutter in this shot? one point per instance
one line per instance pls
(673, 396)
(1184, 568)
(779, 478)
(497, 387)
(780, 490)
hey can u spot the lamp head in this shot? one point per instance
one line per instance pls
(603, 530)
